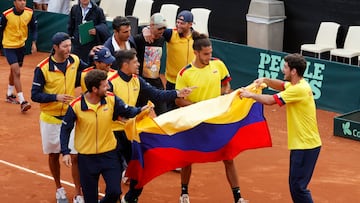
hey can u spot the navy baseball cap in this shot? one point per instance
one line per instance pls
(104, 55)
(186, 16)
(59, 37)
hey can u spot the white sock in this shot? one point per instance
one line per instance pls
(21, 97)
(10, 90)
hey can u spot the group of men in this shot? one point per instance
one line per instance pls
(111, 95)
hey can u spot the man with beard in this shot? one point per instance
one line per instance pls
(93, 113)
(55, 79)
(212, 79)
(304, 140)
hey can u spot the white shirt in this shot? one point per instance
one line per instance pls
(116, 46)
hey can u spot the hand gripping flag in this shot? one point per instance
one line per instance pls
(208, 131)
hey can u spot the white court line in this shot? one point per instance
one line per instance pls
(39, 174)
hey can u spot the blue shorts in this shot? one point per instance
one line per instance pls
(15, 55)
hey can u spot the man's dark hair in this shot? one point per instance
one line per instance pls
(200, 41)
(94, 78)
(123, 56)
(296, 61)
(120, 21)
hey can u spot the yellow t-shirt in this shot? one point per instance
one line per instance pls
(16, 30)
(301, 115)
(91, 106)
(207, 80)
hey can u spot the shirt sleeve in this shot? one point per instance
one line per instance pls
(3, 23)
(34, 27)
(37, 93)
(224, 72)
(124, 110)
(292, 93)
(155, 94)
(66, 128)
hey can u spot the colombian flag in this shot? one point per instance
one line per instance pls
(208, 131)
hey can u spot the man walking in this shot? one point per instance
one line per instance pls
(55, 79)
(14, 28)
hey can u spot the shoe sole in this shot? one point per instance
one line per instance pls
(27, 107)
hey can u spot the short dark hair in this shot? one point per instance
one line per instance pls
(200, 41)
(123, 56)
(120, 21)
(296, 61)
(93, 79)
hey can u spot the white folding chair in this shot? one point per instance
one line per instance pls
(72, 3)
(351, 45)
(325, 39)
(169, 11)
(142, 10)
(113, 8)
(201, 18)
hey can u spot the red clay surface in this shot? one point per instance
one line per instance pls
(263, 173)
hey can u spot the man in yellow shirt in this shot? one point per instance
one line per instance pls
(212, 78)
(304, 140)
(93, 113)
(14, 28)
(55, 79)
(179, 48)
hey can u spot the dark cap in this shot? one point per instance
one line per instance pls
(104, 55)
(186, 16)
(59, 37)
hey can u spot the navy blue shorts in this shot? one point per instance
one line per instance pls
(15, 55)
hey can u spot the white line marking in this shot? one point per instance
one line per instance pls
(39, 174)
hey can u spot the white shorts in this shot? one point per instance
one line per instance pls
(41, 1)
(50, 136)
(59, 6)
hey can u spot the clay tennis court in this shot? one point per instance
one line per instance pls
(263, 173)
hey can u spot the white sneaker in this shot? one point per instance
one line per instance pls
(184, 198)
(123, 199)
(78, 199)
(242, 200)
(61, 196)
(177, 170)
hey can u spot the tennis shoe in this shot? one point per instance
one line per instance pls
(242, 200)
(184, 198)
(78, 199)
(12, 99)
(124, 201)
(61, 196)
(25, 106)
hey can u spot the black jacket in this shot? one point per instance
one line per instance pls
(95, 14)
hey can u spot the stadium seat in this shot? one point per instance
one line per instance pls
(169, 11)
(351, 46)
(134, 21)
(113, 8)
(142, 10)
(201, 18)
(325, 39)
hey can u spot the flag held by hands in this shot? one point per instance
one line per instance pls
(208, 131)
